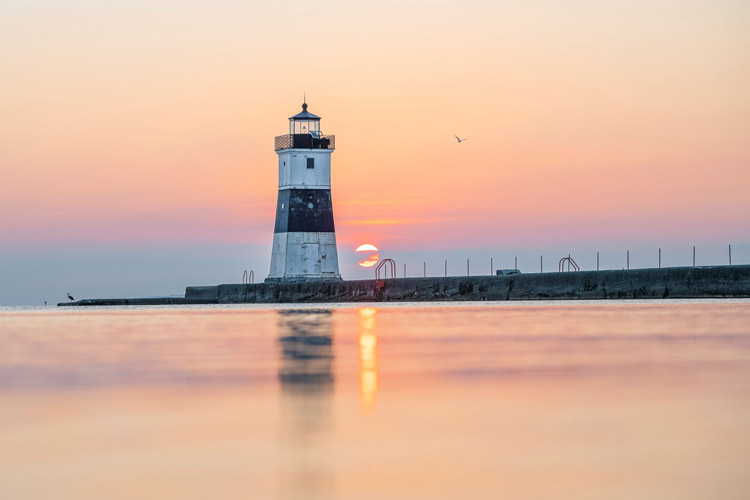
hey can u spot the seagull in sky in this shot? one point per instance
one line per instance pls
(70, 296)
(459, 140)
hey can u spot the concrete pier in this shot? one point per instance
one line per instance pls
(673, 283)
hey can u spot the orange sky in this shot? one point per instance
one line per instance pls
(153, 122)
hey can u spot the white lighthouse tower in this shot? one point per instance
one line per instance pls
(304, 238)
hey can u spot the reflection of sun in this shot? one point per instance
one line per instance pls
(372, 259)
(368, 360)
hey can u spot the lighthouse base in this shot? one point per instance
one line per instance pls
(304, 257)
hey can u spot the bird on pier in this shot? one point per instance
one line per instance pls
(460, 140)
(70, 296)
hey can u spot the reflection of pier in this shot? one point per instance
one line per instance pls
(368, 360)
(306, 378)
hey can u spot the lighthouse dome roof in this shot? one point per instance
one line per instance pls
(304, 114)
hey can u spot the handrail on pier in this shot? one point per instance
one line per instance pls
(570, 262)
(384, 263)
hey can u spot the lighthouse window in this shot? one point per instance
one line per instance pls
(311, 163)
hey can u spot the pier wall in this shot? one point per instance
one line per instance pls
(679, 282)
(673, 283)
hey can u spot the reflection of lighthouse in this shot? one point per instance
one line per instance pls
(307, 381)
(304, 239)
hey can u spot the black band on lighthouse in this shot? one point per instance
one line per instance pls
(304, 211)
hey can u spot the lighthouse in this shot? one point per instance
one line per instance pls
(304, 238)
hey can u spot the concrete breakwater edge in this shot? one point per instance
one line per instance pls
(673, 283)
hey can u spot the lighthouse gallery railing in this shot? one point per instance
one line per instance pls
(304, 141)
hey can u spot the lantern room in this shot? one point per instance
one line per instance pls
(304, 133)
(304, 123)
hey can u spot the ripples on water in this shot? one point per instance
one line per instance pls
(574, 399)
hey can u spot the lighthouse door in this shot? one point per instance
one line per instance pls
(312, 258)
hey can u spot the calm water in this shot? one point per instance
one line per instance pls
(521, 400)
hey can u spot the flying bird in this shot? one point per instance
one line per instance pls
(70, 296)
(459, 140)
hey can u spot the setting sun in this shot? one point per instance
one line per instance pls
(372, 259)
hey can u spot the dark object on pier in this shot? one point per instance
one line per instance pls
(507, 272)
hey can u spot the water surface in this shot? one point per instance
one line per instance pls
(636, 399)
